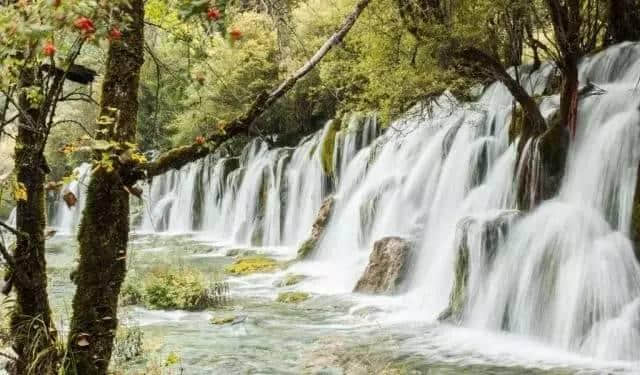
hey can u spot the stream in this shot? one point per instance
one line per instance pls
(328, 334)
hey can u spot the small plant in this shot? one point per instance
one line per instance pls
(128, 344)
(174, 287)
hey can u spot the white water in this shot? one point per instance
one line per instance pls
(564, 275)
(64, 218)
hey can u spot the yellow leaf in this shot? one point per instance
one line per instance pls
(19, 191)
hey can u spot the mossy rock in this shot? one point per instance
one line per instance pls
(241, 253)
(289, 279)
(306, 248)
(517, 122)
(327, 146)
(252, 264)
(292, 297)
(224, 319)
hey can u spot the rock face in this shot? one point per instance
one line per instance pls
(387, 266)
(486, 235)
(324, 213)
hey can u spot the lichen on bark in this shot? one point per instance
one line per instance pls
(104, 229)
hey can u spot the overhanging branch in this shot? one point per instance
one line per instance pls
(178, 157)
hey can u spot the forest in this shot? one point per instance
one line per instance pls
(319, 187)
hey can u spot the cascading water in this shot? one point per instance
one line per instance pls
(269, 197)
(446, 176)
(63, 217)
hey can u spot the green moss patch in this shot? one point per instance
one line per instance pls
(328, 145)
(252, 264)
(292, 297)
(306, 248)
(223, 319)
(289, 279)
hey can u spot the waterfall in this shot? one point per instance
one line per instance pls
(445, 176)
(65, 219)
(267, 197)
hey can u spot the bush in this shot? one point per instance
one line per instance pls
(180, 288)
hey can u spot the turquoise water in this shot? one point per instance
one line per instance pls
(327, 334)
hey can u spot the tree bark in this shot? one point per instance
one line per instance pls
(32, 329)
(569, 95)
(623, 21)
(104, 229)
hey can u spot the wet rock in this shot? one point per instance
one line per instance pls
(241, 252)
(327, 146)
(288, 280)
(491, 232)
(387, 266)
(224, 319)
(324, 214)
(292, 297)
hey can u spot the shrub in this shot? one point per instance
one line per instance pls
(169, 287)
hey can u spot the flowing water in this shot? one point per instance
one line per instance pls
(558, 290)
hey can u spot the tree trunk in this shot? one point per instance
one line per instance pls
(104, 229)
(623, 21)
(569, 95)
(32, 329)
(635, 218)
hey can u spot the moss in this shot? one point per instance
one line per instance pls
(223, 319)
(247, 265)
(458, 296)
(290, 279)
(327, 146)
(292, 297)
(306, 248)
(516, 125)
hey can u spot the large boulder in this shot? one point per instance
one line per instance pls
(324, 214)
(387, 266)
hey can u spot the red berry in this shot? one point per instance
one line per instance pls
(200, 140)
(115, 33)
(49, 49)
(213, 14)
(85, 25)
(235, 34)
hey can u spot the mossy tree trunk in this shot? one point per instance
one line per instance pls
(32, 329)
(104, 229)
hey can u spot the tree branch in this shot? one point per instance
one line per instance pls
(11, 229)
(178, 157)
